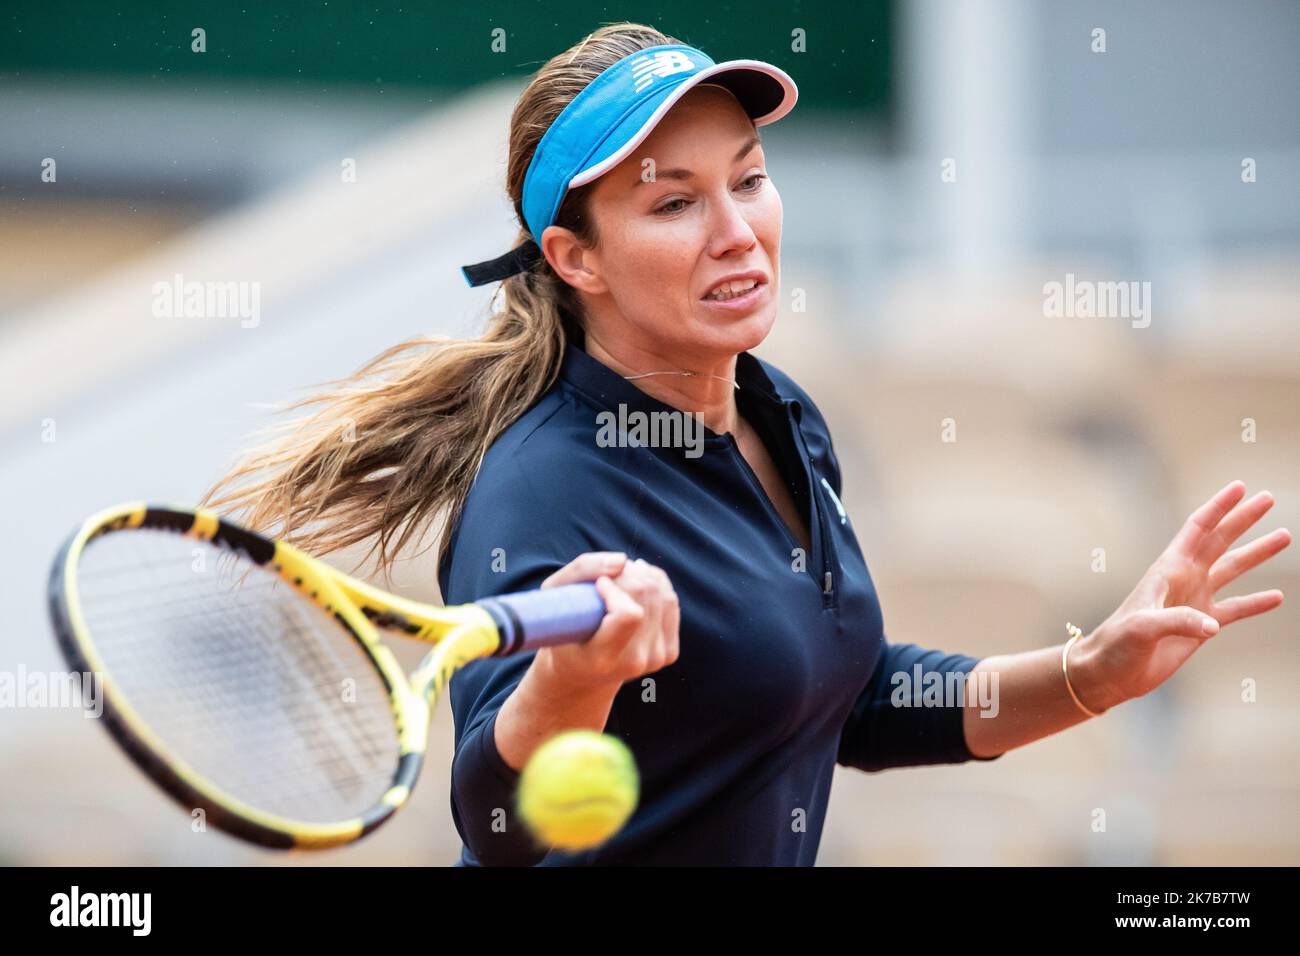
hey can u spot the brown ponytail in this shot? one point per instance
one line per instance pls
(397, 445)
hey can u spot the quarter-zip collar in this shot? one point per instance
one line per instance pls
(605, 389)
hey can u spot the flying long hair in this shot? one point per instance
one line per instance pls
(392, 450)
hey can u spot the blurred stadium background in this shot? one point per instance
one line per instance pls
(924, 300)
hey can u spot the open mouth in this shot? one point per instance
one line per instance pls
(734, 290)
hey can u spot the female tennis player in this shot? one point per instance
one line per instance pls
(613, 426)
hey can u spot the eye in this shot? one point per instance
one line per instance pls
(750, 184)
(669, 207)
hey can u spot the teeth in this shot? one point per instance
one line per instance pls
(729, 290)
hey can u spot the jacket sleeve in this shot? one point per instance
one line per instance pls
(900, 721)
(497, 549)
(483, 785)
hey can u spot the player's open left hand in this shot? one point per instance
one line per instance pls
(1173, 609)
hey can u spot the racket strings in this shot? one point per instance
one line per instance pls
(241, 677)
(211, 711)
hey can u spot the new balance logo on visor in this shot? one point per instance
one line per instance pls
(662, 63)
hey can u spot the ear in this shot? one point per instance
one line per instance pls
(572, 261)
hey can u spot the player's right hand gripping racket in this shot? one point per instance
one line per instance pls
(248, 679)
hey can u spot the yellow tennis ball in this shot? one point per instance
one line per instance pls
(578, 789)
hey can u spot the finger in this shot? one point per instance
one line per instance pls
(588, 567)
(644, 586)
(1183, 620)
(1202, 522)
(649, 586)
(1240, 560)
(636, 578)
(623, 615)
(1236, 608)
(1235, 524)
(669, 621)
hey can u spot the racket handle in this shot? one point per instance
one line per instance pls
(568, 614)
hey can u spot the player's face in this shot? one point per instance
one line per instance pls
(690, 205)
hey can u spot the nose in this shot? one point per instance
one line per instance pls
(729, 230)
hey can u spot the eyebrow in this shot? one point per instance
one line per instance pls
(687, 174)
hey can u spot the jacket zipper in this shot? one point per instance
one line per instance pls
(828, 575)
(844, 515)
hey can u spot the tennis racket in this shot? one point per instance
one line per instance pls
(248, 679)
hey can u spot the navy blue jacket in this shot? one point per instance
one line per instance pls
(783, 669)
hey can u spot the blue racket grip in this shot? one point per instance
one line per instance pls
(527, 620)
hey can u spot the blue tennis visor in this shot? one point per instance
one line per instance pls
(612, 116)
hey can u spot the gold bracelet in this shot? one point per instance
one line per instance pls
(1075, 634)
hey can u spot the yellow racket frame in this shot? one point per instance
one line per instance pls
(460, 634)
